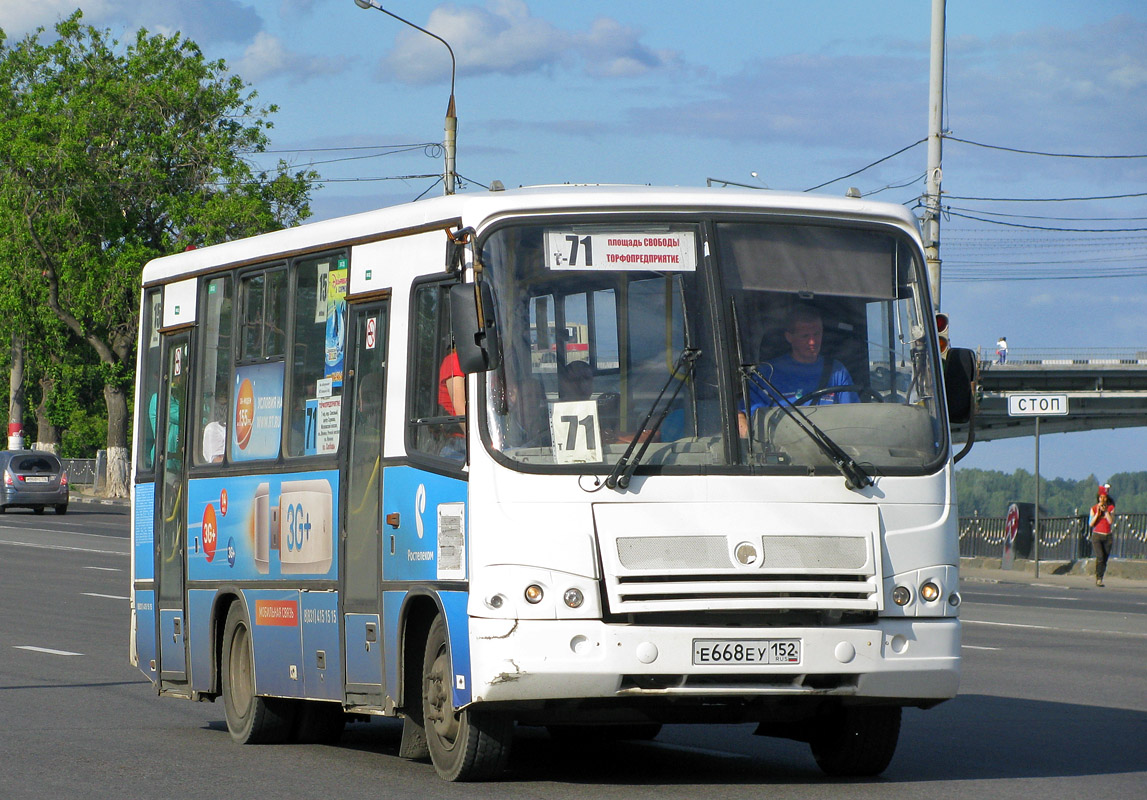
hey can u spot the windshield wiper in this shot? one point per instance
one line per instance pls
(854, 475)
(623, 470)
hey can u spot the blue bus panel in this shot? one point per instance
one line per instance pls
(144, 539)
(145, 632)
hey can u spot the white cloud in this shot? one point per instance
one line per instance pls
(199, 20)
(267, 57)
(505, 38)
(18, 17)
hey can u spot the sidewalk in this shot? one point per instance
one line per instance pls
(1077, 574)
(85, 494)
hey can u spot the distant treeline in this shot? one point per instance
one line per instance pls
(989, 492)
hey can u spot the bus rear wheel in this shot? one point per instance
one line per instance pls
(467, 745)
(857, 742)
(250, 719)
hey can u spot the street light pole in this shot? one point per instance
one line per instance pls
(450, 145)
(935, 138)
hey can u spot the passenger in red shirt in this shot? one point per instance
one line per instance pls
(452, 399)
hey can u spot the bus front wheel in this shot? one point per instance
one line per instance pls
(857, 741)
(467, 745)
(250, 719)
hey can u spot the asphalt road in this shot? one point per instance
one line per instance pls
(1053, 704)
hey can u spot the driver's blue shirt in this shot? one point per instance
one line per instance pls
(795, 380)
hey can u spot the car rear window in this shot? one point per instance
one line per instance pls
(36, 464)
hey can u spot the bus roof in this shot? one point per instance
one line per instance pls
(474, 209)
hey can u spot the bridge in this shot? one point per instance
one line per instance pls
(1105, 387)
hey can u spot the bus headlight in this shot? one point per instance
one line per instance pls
(573, 597)
(901, 595)
(534, 594)
(929, 592)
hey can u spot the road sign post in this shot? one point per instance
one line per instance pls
(1037, 405)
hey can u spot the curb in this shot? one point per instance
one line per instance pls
(1127, 569)
(80, 497)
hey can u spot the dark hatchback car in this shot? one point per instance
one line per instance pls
(32, 479)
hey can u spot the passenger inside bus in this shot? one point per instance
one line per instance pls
(527, 423)
(215, 432)
(575, 381)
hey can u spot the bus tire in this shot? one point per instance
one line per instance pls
(465, 746)
(250, 719)
(318, 722)
(857, 742)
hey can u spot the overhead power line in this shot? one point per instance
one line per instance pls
(1038, 152)
(1050, 219)
(1045, 199)
(869, 166)
(953, 213)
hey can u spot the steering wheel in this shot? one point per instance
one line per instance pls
(864, 392)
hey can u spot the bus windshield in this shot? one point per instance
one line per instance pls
(744, 344)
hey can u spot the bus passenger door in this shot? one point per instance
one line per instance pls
(169, 411)
(362, 482)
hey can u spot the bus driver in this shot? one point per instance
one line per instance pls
(802, 371)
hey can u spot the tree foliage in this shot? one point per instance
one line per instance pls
(988, 493)
(110, 156)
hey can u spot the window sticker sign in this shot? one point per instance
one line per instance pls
(336, 317)
(576, 432)
(257, 417)
(619, 252)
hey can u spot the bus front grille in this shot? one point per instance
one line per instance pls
(711, 572)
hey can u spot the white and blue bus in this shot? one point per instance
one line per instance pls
(526, 458)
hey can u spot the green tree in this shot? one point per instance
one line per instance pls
(110, 156)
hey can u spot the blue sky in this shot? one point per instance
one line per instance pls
(801, 93)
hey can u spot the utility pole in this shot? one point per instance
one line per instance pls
(935, 139)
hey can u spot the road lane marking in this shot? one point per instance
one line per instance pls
(47, 650)
(39, 546)
(108, 596)
(106, 569)
(975, 647)
(1050, 628)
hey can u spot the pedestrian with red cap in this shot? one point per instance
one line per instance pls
(1101, 519)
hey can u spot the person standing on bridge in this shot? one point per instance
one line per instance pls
(1002, 350)
(1101, 520)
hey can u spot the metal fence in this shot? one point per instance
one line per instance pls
(81, 471)
(1060, 538)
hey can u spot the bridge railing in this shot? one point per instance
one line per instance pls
(1060, 538)
(1054, 356)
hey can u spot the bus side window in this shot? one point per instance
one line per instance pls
(317, 355)
(150, 371)
(215, 382)
(437, 393)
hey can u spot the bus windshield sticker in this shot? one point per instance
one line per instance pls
(576, 432)
(618, 252)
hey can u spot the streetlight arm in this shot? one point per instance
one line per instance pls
(453, 64)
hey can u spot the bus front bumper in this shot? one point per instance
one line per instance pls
(912, 661)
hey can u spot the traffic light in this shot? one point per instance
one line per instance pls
(942, 332)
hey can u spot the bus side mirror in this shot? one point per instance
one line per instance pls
(475, 331)
(959, 384)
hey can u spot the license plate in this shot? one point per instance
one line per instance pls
(37, 479)
(746, 651)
